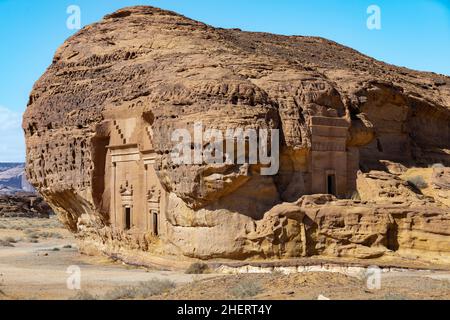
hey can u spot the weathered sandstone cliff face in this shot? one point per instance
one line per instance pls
(98, 137)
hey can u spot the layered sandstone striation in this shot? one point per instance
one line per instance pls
(106, 106)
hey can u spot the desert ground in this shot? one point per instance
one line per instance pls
(37, 257)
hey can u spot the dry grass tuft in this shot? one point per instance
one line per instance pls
(247, 289)
(143, 291)
(197, 268)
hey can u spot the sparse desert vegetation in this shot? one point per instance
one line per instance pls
(143, 290)
(5, 243)
(247, 289)
(309, 286)
(197, 268)
(32, 230)
(47, 261)
(84, 296)
(418, 182)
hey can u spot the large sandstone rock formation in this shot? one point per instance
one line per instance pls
(116, 90)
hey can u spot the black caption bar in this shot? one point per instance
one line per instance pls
(165, 310)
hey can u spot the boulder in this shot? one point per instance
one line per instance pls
(440, 178)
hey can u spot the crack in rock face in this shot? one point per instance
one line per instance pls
(99, 132)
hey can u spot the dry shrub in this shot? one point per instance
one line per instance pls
(247, 289)
(142, 291)
(418, 182)
(197, 268)
(84, 296)
(4, 243)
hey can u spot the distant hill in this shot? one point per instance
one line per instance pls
(8, 165)
(13, 179)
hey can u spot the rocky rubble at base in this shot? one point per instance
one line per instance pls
(24, 205)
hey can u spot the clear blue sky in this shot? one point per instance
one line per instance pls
(414, 33)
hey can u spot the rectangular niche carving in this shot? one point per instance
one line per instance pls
(128, 218)
(155, 223)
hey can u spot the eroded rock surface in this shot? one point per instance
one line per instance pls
(380, 186)
(441, 178)
(117, 88)
(24, 205)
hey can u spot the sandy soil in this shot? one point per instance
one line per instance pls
(39, 271)
(35, 264)
(311, 286)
